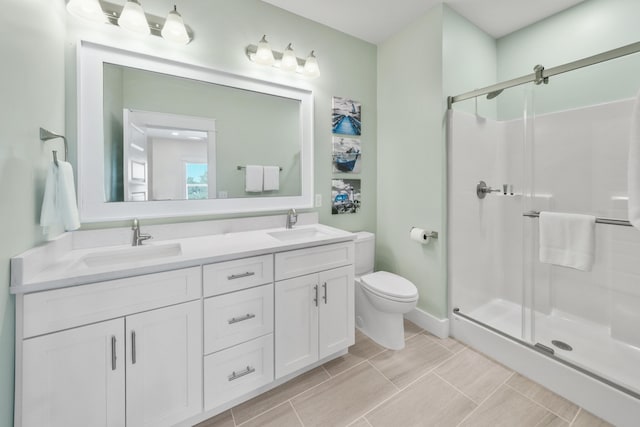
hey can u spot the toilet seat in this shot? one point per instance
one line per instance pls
(390, 286)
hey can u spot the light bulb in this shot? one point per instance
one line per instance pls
(174, 29)
(289, 61)
(264, 54)
(311, 68)
(87, 9)
(133, 19)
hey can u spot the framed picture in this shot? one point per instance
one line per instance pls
(347, 116)
(345, 196)
(347, 157)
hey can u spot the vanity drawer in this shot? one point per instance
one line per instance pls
(58, 309)
(237, 317)
(311, 260)
(235, 371)
(230, 276)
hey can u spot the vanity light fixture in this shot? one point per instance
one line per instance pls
(287, 60)
(87, 9)
(133, 18)
(264, 54)
(174, 29)
(311, 68)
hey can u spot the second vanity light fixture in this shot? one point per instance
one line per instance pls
(287, 60)
(133, 18)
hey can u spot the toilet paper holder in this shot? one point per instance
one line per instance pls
(432, 234)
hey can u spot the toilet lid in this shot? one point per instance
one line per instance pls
(385, 283)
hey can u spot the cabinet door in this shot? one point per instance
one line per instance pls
(75, 377)
(164, 365)
(296, 328)
(336, 331)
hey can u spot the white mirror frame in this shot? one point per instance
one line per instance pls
(91, 187)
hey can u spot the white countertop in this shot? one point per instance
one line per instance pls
(31, 274)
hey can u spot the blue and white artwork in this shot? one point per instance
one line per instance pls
(347, 116)
(347, 157)
(345, 196)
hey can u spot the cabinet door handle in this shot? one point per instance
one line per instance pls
(315, 300)
(113, 352)
(240, 276)
(133, 347)
(235, 375)
(241, 319)
(325, 292)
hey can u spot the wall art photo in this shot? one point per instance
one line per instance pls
(347, 157)
(346, 116)
(345, 196)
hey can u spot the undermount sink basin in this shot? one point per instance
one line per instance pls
(298, 234)
(132, 254)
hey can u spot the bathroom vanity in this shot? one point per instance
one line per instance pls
(179, 329)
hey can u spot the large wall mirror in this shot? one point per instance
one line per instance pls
(159, 138)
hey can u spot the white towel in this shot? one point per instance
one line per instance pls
(59, 205)
(567, 240)
(253, 178)
(271, 178)
(633, 171)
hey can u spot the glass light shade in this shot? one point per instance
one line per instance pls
(311, 68)
(264, 54)
(133, 19)
(289, 60)
(174, 29)
(87, 9)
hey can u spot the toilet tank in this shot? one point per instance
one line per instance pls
(365, 244)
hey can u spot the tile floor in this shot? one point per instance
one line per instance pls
(431, 382)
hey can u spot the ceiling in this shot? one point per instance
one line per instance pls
(376, 20)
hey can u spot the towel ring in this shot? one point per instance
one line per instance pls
(46, 135)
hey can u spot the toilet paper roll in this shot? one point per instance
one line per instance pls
(420, 235)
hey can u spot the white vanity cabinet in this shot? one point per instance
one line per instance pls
(176, 347)
(238, 328)
(314, 313)
(139, 368)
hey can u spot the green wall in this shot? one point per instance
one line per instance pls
(32, 88)
(586, 29)
(410, 157)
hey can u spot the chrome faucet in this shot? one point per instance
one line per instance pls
(292, 218)
(138, 237)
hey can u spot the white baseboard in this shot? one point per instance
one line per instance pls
(428, 322)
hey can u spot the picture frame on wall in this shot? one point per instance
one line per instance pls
(347, 116)
(347, 155)
(345, 196)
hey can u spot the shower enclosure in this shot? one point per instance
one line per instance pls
(557, 141)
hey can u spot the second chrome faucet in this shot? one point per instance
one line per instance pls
(138, 237)
(292, 218)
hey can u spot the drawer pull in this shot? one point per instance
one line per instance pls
(113, 352)
(133, 347)
(315, 300)
(325, 292)
(235, 375)
(240, 276)
(241, 319)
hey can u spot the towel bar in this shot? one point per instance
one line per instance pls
(244, 167)
(599, 220)
(46, 135)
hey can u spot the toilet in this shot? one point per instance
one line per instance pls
(381, 298)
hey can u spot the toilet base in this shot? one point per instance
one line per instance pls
(389, 335)
(386, 329)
